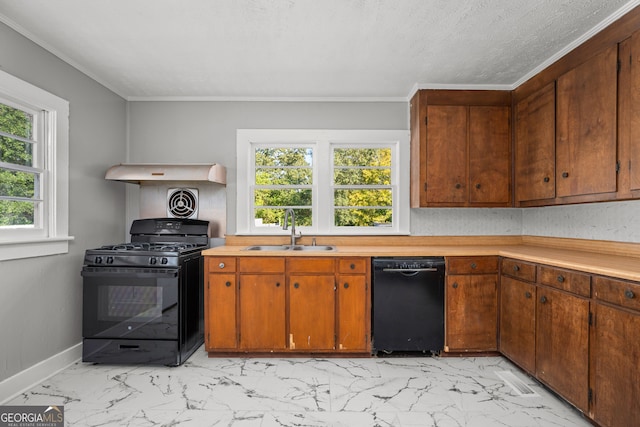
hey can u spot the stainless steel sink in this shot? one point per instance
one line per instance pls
(268, 248)
(306, 248)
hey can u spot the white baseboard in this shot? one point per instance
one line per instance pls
(24, 380)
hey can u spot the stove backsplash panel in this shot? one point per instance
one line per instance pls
(212, 203)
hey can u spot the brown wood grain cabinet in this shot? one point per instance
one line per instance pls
(586, 150)
(518, 313)
(461, 148)
(287, 304)
(535, 146)
(471, 304)
(615, 353)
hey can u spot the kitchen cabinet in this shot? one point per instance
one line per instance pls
(616, 353)
(460, 148)
(261, 314)
(311, 303)
(535, 146)
(586, 150)
(352, 304)
(518, 313)
(220, 303)
(471, 305)
(256, 304)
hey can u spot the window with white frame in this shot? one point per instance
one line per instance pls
(336, 181)
(33, 170)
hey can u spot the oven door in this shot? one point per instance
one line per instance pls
(132, 303)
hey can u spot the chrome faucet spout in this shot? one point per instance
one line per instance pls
(287, 213)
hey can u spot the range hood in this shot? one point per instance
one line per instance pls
(140, 173)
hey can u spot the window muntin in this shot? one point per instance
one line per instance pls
(350, 183)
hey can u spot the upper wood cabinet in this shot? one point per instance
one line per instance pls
(535, 146)
(586, 152)
(460, 148)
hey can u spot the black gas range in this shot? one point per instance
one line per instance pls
(143, 300)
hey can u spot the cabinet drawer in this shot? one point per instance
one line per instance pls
(261, 265)
(519, 269)
(221, 264)
(472, 265)
(353, 265)
(625, 294)
(310, 265)
(570, 281)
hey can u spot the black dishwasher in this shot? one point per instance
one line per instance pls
(408, 304)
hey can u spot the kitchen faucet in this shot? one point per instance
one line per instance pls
(293, 225)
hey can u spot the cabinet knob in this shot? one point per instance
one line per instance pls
(527, 295)
(277, 284)
(352, 266)
(346, 285)
(561, 278)
(565, 174)
(629, 294)
(546, 179)
(473, 265)
(455, 285)
(296, 285)
(478, 186)
(458, 185)
(221, 265)
(543, 299)
(516, 268)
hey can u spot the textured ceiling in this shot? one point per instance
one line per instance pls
(247, 49)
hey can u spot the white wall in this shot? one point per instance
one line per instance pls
(41, 298)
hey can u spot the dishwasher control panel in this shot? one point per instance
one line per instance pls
(409, 263)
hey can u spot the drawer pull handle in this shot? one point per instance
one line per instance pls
(527, 295)
(227, 284)
(346, 285)
(561, 278)
(473, 266)
(516, 268)
(629, 294)
(221, 265)
(455, 285)
(352, 266)
(543, 299)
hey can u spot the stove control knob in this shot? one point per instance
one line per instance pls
(164, 261)
(109, 260)
(98, 260)
(153, 261)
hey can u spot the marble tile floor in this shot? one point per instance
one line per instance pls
(388, 391)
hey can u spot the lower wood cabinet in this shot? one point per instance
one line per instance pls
(518, 322)
(471, 304)
(615, 353)
(287, 304)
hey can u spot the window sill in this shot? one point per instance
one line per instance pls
(34, 248)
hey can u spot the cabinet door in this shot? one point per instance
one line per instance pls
(616, 357)
(312, 312)
(634, 131)
(262, 311)
(447, 154)
(518, 322)
(535, 152)
(471, 313)
(586, 150)
(220, 325)
(562, 338)
(352, 312)
(489, 155)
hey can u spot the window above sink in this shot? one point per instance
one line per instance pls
(337, 181)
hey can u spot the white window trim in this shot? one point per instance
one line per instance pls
(53, 237)
(325, 139)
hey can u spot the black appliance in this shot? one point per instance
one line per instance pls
(408, 305)
(143, 301)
